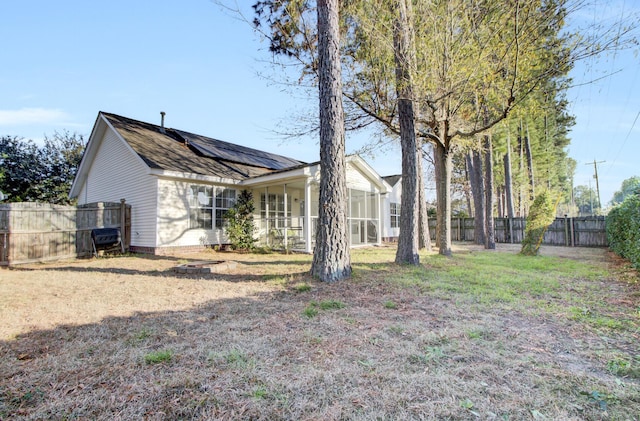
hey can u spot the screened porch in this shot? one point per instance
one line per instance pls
(286, 216)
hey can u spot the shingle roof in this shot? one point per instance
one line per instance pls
(176, 150)
(392, 179)
(218, 149)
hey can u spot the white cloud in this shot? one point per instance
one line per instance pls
(27, 116)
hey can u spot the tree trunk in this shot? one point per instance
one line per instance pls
(474, 161)
(527, 151)
(407, 251)
(438, 178)
(490, 234)
(508, 188)
(331, 258)
(424, 238)
(521, 204)
(467, 191)
(444, 164)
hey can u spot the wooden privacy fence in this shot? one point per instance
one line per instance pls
(574, 232)
(37, 232)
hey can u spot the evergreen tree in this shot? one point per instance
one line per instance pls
(240, 223)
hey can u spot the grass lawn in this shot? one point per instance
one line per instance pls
(479, 336)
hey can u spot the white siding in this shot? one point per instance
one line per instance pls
(116, 173)
(394, 196)
(356, 180)
(173, 218)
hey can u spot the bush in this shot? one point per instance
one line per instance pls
(240, 226)
(541, 215)
(623, 229)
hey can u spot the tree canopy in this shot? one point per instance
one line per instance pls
(40, 173)
(629, 186)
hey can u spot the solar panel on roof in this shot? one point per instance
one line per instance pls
(218, 149)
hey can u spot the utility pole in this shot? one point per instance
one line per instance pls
(595, 170)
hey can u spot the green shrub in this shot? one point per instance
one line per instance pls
(541, 215)
(240, 225)
(623, 229)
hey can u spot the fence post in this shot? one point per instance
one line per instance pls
(573, 232)
(4, 257)
(123, 223)
(566, 231)
(510, 222)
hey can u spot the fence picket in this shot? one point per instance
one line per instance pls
(580, 232)
(36, 232)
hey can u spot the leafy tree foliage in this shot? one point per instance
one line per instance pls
(2, 195)
(586, 199)
(240, 223)
(623, 229)
(33, 173)
(541, 215)
(629, 187)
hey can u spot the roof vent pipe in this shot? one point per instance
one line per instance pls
(162, 114)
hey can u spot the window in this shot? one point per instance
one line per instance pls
(202, 206)
(275, 210)
(225, 199)
(395, 215)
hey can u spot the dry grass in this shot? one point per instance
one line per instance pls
(126, 338)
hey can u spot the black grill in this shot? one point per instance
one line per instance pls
(104, 238)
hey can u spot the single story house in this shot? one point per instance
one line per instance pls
(180, 185)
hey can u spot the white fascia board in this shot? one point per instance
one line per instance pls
(178, 175)
(369, 172)
(95, 140)
(388, 186)
(126, 145)
(279, 177)
(89, 154)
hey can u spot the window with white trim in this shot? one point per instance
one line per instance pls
(203, 207)
(394, 212)
(272, 209)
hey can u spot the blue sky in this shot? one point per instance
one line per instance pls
(64, 61)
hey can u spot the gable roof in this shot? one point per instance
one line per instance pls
(392, 179)
(179, 153)
(176, 150)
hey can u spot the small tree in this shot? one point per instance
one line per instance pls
(541, 215)
(240, 225)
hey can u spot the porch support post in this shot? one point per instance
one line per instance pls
(307, 215)
(267, 229)
(286, 225)
(380, 219)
